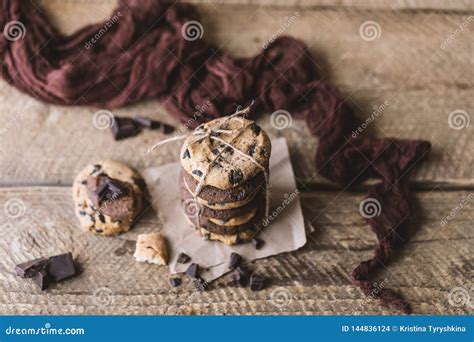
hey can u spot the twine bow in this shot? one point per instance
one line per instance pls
(201, 133)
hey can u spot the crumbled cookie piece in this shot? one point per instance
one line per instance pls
(152, 248)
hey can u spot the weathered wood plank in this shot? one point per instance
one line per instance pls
(421, 82)
(313, 280)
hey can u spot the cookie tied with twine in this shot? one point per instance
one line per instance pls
(225, 164)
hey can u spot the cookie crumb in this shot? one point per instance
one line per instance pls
(152, 248)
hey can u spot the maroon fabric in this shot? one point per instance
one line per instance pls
(143, 55)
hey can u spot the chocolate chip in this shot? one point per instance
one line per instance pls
(255, 128)
(186, 154)
(215, 151)
(101, 218)
(257, 282)
(197, 173)
(264, 152)
(140, 183)
(123, 128)
(183, 258)
(241, 276)
(43, 279)
(82, 213)
(251, 150)
(235, 177)
(84, 182)
(200, 284)
(193, 271)
(175, 282)
(30, 268)
(229, 150)
(235, 260)
(257, 242)
(61, 266)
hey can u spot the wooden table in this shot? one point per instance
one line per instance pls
(44, 146)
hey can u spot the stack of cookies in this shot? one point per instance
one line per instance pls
(224, 179)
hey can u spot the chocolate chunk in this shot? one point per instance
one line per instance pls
(229, 150)
(197, 173)
(61, 266)
(257, 282)
(257, 242)
(140, 183)
(255, 128)
(101, 218)
(153, 124)
(241, 276)
(193, 271)
(251, 150)
(43, 279)
(183, 258)
(30, 268)
(235, 177)
(186, 154)
(200, 284)
(215, 151)
(109, 188)
(235, 261)
(82, 213)
(144, 121)
(123, 128)
(175, 282)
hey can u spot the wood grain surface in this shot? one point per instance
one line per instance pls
(313, 280)
(411, 66)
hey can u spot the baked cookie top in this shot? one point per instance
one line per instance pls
(222, 166)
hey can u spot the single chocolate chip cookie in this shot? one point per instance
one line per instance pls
(107, 196)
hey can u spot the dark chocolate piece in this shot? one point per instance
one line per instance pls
(153, 124)
(251, 150)
(186, 154)
(43, 279)
(235, 260)
(257, 242)
(175, 282)
(235, 177)
(241, 276)
(193, 271)
(255, 128)
(61, 266)
(183, 258)
(257, 282)
(200, 284)
(123, 128)
(110, 189)
(197, 173)
(30, 268)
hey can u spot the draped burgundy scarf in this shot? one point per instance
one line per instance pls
(143, 54)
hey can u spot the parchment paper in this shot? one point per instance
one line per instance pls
(285, 233)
